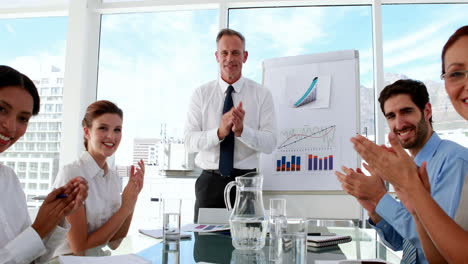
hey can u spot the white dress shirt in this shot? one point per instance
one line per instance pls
(19, 242)
(103, 194)
(204, 117)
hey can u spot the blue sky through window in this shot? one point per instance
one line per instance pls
(30, 43)
(291, 31)
(413, 37)
(150, 63)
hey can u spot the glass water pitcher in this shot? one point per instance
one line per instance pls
(248, 220)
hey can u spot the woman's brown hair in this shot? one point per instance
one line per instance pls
(463, 31)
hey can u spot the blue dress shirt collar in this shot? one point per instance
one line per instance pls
(429, 149)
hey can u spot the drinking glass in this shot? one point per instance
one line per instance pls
(248, 257)
(293, 239)
(277, 215)
(277, 219)
(171, 219)
(171, 253)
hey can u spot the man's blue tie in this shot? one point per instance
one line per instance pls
(409, 253)
(226, 155)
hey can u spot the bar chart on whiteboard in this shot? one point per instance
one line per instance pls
(306, 150)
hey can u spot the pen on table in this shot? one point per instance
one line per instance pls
(43, 197)
(321, 234)
(62, 195)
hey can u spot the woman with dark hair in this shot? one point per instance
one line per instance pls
(21, 241)
(443, 239)
(106, 215)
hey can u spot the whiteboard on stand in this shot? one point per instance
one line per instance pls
(316, 101)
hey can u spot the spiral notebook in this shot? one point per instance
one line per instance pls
(325, 241)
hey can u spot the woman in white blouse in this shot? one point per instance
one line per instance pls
(21, 242)
(106, 215)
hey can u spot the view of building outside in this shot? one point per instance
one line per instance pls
(150, 64)
(146, 149)
(35, 46)
(412, 47)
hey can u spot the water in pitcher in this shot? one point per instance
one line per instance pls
(248, 233)
(248, 221)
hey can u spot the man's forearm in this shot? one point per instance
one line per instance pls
(196, 141)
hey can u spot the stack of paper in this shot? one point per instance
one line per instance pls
(123, 259)
(204, 228)
(325, 241)
(158, 233)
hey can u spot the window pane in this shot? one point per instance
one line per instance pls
(32, 186)
(36, 47)
(32, 175)
(292, 31)
(10, 164)
(149, 64)
(33, 166)
(31, 3)
(412, 49)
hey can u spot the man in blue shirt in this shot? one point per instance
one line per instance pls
(406, 107)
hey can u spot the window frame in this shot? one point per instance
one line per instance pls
(84, 25)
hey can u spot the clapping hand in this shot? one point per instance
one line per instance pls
(238, 114)
(368, 190)
(392, 164)
(134, 186)
(60, 203)
(81, 188)
(404, 195)
(232, 120)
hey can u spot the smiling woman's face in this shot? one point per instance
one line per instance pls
(456, 59)
(104, 136)
(16, 106)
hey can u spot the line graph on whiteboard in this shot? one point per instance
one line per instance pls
(307, 139)
(307, 150)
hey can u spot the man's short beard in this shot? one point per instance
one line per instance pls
(421, 134)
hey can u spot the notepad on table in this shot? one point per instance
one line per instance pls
(158, 233)
(324, 241)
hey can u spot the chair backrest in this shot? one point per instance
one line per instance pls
(331, 222)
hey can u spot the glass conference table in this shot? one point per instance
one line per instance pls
(217, 248)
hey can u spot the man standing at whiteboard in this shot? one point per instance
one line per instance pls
(406, 107)
(230, 121)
